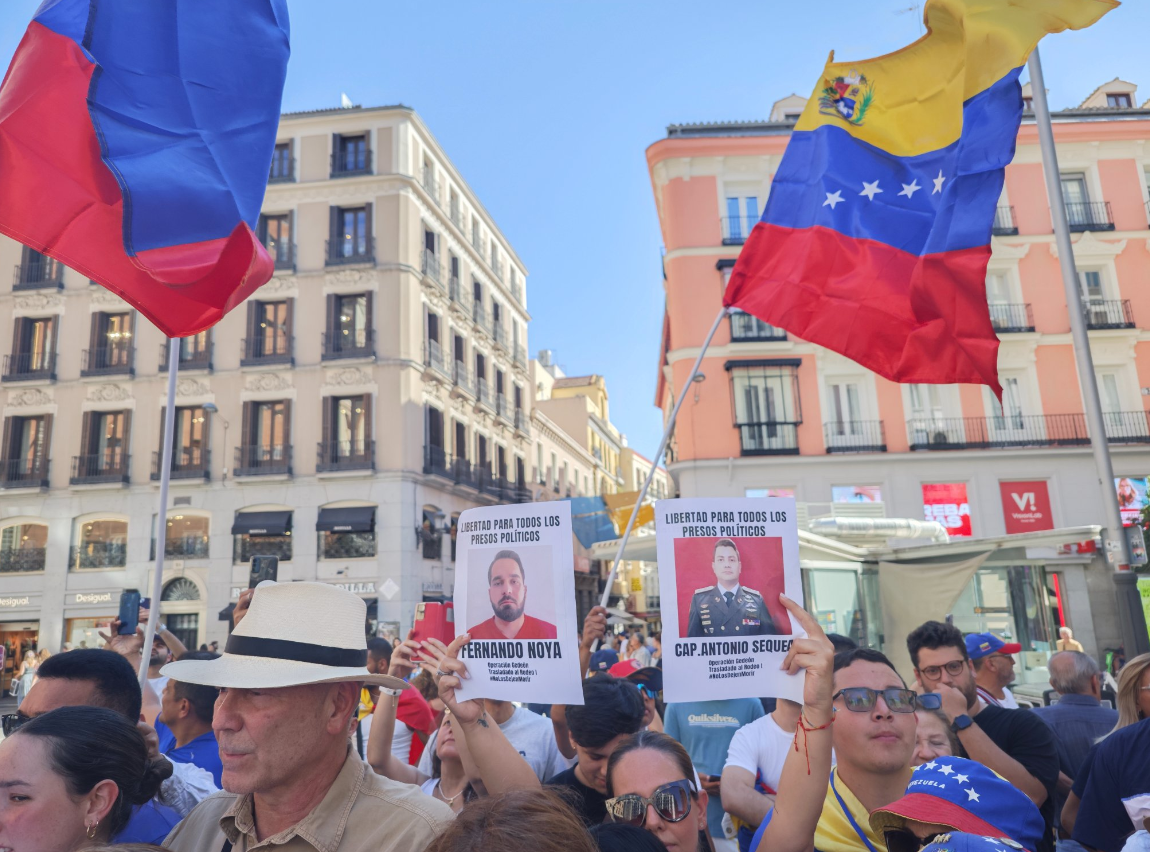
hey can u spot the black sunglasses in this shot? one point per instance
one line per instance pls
(861, 699)
(11, 722)
(672, 802)
(901, 840)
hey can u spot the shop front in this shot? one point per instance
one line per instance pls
(19, 632)
(87, 615)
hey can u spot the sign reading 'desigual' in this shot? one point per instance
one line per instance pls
(725, 632)
(1026, 506)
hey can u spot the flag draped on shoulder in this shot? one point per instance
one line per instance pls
(876, 236)
(135, 142)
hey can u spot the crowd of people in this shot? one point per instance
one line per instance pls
(301, 735)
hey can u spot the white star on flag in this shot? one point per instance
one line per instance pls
(971, 795)
(833, 198)
(931, 765)
(946, 770)
(938, 181)
(870, 190)
(961, 779)
(909, 189)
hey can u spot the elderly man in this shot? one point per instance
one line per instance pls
(289, 680)
(993, 662)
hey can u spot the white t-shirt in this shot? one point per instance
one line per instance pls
(533, 737)
(158, 684)
(400, 737)
(761, 749)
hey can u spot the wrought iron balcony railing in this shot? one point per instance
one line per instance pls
(39, 274)
(108, 467)
(1011, 318)
(268, 349)
(1108, 313)
(262, 460)
(345, 455)
(24, 473)
(1004, 225)
(348, 251)
(351, 162)
(187, 463)
(854, 436)
(98, 554)
(29, 367)
(348, 343)
(765, 439)
(746, 328)
(1089, 216)
(117, 359)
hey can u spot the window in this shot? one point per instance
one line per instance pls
(453, 532)
(792, 116)
(270, 331)
(742, 212)
(351, 154)
(265, 441)
(1028, 104)
(453, 207)
(1090, 281)
(998, 290)
(1118, 99)
(434, 438)
(553, 472)
(846, 408)
(346, 532)
(349, 332)
(33, 346)
(275, 234)
(25, 451)
(475, 232)
(23, 547)
(1108, 384)
(282, 164)
(187, 537)
(500, 461)
(195, 351)
(430, 536)
(351, 235)
(103, 447)
(1079, 212)
(767, 409)
(347, 441)
(929, 423)
(460, 441)
(262, 533)
(111, 344)
(453, 269)
(37, 270)
(189, 444)
(477, 312)
(100, 544)
(1007, 415)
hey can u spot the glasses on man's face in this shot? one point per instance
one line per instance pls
(901, 840)
(672, 802)
(862, 699)
(954, 668)
(11, 722)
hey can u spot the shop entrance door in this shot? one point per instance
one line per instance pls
(17, 639)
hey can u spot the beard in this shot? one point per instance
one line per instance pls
(508, 610)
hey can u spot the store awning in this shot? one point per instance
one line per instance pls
(262, 523)
(350, 519)
(226, 612)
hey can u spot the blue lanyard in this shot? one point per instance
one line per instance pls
(851, 819)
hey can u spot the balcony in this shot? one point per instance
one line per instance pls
(347, 252)
(434, 358)
(462, 378)
(499, 334)
(269, 350)
(199, 359)
(746, 328)
(483, 394)
(1089, 216)
(30, 367)
(351, 163)
(520, 421)
(24, 473)
(479, 315)
(348, 343)
(476, 240)
(430, 268)
(431, 186)
(517, 293)
(1004, 224)
(501, 408)
(187, 463)
(244, 547)
(188, 547)
(262, 460)
(283, 256)
(1108, 313)
(22, 560)
(1011, 319)
(520, 356)
(98, 554)
(855, 436)
(345, 455)
(456, 215)
(497, 268)
(460, 297)
(110, 467)
(44, 273)
(115, 360)
(769, 439)
(347, 545)
(1127, 427)
(282, 170)
(736, 229)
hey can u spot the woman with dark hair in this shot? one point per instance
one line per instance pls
(651, 782)
(516, 821)
(620, 837)
(72, 776)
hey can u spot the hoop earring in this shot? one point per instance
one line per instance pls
(91, 832)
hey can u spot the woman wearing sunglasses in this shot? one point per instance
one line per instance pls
(651, 783)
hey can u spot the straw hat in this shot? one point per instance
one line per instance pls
(293, 634)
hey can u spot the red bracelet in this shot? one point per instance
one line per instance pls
(806, 729)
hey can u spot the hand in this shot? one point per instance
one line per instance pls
(129, 646)
(953, 701)
(445, 658)
(401, 663)
(245, 601)
(710, 784)
(816, 655)
(594, 626)
(151, 738)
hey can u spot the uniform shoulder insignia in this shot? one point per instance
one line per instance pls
(704, 589)
(751, 591)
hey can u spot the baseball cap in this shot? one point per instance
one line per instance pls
(649, 676)
(957, 841)
(603, 659)
(979, 645)
(966, 796)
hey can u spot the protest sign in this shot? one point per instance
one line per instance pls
(515, 596)
(725, 632)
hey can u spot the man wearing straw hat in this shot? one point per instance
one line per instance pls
(289, 680)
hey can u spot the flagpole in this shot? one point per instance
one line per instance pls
(655, 463)
(1131, 619)
(162, 514)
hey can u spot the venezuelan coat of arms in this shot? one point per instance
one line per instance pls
(848, 97)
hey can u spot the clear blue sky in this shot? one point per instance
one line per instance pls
(547, 108)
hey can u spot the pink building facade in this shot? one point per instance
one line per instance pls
(777, 414)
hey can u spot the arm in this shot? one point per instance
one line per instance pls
(562, 737)
(802, 790)
(1070, 812)
(173, 642)
(594, 629)
(694, 621)
(741, 799)
(500, 765)
(150, 706)
(378, 750)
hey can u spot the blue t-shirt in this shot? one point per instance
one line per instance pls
(150, 822)
(167, 738)
(705, 729)
(1119, 770)
(203, 751)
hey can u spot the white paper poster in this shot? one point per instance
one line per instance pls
(725, 633)
(515, 595)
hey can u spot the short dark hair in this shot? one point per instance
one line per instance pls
(866, 655)
(934, 635)
(842, 643)
(202, 698)
(379, 648)
(620, 837)
(112, 676)
(87, 745)
(610, 707)
(506, 554)
(726, 542)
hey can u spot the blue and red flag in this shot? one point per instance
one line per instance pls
(876, 235)
(135, 142)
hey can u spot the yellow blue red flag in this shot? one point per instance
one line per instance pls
(876, 235)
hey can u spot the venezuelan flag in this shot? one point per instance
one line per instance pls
(135, 142)
(876, 235)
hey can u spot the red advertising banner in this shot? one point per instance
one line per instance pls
(946, 503)
(1026, 506)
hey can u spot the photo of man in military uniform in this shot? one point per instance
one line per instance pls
(728, 608)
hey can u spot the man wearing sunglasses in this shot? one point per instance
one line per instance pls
(1014, 743)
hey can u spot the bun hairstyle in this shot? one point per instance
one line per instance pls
(87, 745)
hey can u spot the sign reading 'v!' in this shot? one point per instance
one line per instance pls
(1026, 506)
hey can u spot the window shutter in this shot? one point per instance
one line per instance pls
(336, 162)
(368, 435)
(160, 443)
(287, 433)
(370, 231)
(127, 441)
(19, 326)
(328, 416)
(334, 237)
(7, 450)
(246, 438)
(290, 322)
(94, 336)
(253, 324)
(333, 342)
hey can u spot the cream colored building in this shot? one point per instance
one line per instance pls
(341, 419)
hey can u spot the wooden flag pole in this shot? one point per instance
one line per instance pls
(162, 514)
(1131, 618)
(655, 462)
